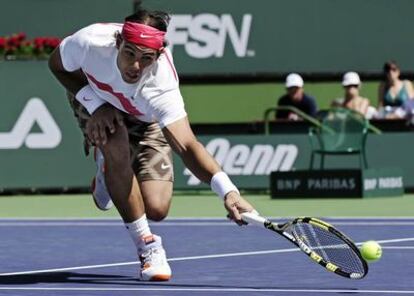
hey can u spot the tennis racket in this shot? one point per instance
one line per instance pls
(319, 240)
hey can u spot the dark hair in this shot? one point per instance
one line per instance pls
(156, 19)
(389, 65)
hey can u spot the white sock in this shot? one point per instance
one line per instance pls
(138, 230)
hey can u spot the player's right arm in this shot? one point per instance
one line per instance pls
(72, 81)
(202, 164)
(65, 63)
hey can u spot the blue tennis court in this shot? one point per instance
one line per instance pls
(208, 257)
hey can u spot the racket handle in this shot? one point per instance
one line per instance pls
(253, 218)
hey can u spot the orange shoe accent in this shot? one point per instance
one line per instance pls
(160, 278)
(146, 265)
(148, 239)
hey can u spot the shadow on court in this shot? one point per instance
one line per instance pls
(107, 279)
(65, 277)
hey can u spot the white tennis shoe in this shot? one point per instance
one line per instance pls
(100, 193)
(154, 264)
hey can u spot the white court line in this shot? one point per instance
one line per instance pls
(183, 259)
(174, 224)
(63, 223)
(241, 290)
(398, 248)
(170, 260)
(387, 241)
(221, 218)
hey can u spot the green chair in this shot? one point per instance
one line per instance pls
(301, 114)
(342, 132)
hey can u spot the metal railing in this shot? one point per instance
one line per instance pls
(305, 117)
(300, 113)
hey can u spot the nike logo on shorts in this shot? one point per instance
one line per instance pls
(165, 166)
(86, 99)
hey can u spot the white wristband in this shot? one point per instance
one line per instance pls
(89, 99)
(221, 184)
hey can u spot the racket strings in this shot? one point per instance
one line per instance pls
(329, 246)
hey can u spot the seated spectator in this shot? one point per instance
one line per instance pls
(295, 97)
(352, 100)
(394, 94)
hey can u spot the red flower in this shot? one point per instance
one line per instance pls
(21, 36)
(56, 42)
(52, 42)
(3, 42)
(17, 45)
(13, 41)
(39, 42)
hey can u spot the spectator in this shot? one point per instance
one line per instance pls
(394, 94)
(352, 100)
(295, 97)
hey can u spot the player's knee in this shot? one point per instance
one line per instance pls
(156, 213)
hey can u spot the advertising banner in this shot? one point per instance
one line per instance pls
(275, 36)
(337, 183)
(41, 145)
(250, 159)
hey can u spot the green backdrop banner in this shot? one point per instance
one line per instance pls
(58, 17)
(243, 36)
(277, 36)
(41, 145)
(249, 159)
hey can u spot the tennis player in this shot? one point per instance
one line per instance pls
(124, 90)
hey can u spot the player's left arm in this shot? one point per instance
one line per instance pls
(198, 160)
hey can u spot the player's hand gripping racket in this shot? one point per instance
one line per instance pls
(321, 242)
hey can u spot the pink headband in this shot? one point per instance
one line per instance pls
(144, 35)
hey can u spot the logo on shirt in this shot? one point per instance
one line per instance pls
(34, 113)
(206, 35)
(87, 99)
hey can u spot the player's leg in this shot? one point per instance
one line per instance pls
(126, 195)
(125, 192)
(120, 178)
(100, 193)
(152, 164)
(136, 221)
(154, 169)
(157, 196)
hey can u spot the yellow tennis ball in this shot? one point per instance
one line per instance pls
(371, 251)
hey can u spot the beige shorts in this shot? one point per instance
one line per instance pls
(151, 156)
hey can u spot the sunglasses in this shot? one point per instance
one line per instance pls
(352, 85)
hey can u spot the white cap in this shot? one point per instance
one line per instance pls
(294, 80)
(351, 78)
